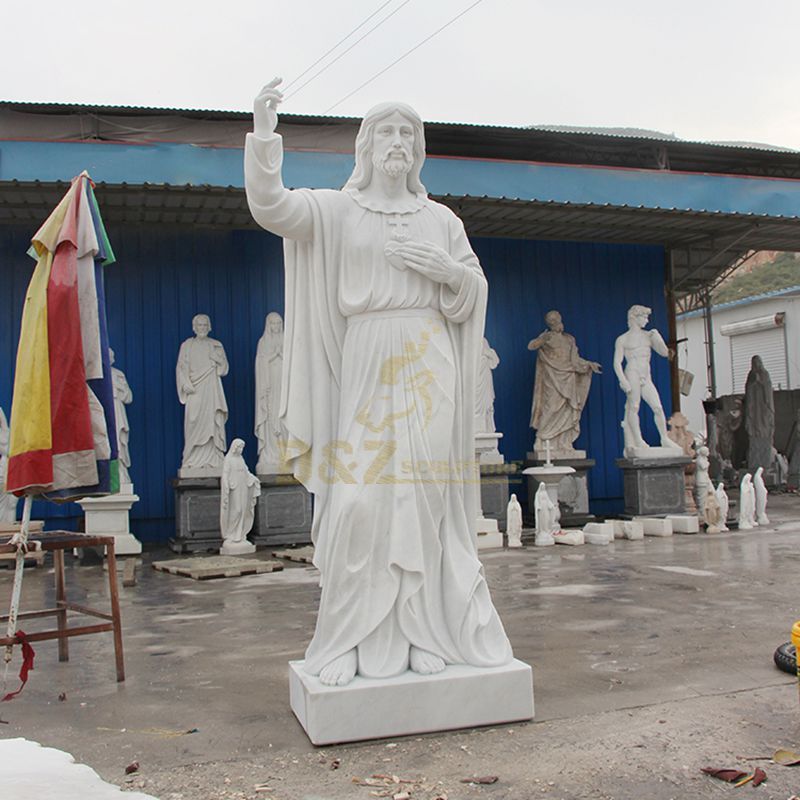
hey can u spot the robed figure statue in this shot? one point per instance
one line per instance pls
(384, 316)
(269, 369)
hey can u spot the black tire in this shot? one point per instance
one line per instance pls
(785, 658)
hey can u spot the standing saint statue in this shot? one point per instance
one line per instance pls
(8, 502)
(514, 522)
(484, 396)
(269, 369)
(759, 415)
(634, 347)
(560, 389)
(123, 396)
(201, 365)
(239, 491)
(385, 309)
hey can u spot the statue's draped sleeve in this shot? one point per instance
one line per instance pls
(273, 206)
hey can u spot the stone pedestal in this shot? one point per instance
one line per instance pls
(573, 490)
(283, 513)
(488, 455)
(458, 697)
(109, 516)
(196, 515)
(495, 491)
(653, 486)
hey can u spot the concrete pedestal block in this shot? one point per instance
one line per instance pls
(627, 529)
(596, 532)
(684, 523)
(573, 490)
(196, 515)
(109, 516)
(489, 535)
(284, 512)
(495, 491)
(653, 486)
(655, 526)
(457, 697)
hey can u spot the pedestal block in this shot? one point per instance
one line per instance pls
(573, 490)
(283, 513)
(196, 515)
(374, 708)
(495, 491)
(653, 486)
(109, 516)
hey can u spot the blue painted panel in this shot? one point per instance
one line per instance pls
(189, 164)
(163, 277)
(592, 285)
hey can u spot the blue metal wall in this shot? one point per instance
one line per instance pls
(163, 277)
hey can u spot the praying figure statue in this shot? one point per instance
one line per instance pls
(201, 366)
(759, 415)
(724, 503)
(269, 369)
(123, 396)
(760, 490)
(747, 504)
(547, 517)
(484, 396)
(514, 522)
(385, 310)
(560, 389)
(239, 491)
(701, 478)
(8, 502)
(634, 347)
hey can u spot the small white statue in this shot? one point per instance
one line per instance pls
(724, 503)
(546, 517)
(484, 395)
(747, 504)
(712, 514)
(239, 491)
(269, 369)
(514, 522)
(123, 396)
(201, 365)
(702, 482)
(761, 497)
(8, 502)
(634, 347)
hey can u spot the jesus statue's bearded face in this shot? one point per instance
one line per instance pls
(393, 145)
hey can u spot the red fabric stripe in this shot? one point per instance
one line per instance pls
(34, 468)
(69, 404)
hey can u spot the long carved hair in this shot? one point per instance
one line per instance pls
(362, 173)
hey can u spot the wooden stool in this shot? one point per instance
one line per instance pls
(58, 542)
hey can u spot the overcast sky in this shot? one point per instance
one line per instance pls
(701, 69)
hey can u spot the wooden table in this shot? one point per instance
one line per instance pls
(58, 542)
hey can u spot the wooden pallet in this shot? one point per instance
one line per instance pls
(203, 568)
(302, 555)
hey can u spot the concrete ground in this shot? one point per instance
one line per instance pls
(651, 660)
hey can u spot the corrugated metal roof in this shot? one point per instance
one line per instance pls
(745, 301)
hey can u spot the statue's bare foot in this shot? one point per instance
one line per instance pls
(423, 662)
(341, 670)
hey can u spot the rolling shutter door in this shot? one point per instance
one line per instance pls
(770, 344)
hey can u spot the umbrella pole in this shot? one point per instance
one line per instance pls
(21, 540)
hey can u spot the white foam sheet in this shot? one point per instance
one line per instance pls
(29, 771)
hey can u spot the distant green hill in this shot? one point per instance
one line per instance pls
(778, 274)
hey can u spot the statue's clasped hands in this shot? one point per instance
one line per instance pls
(432, 261)
(265, 115)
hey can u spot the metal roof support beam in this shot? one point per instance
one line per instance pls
(685, 278)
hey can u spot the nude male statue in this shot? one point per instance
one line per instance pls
(634, 346)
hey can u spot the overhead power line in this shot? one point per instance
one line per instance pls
(347, 50)
(406, 54)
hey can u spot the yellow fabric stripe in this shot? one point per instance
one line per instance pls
(30, 410)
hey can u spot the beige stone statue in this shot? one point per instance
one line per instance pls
(712, 514)
(560, 389)
(269, 370)
(123, 396)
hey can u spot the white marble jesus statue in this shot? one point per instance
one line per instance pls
(385, 308)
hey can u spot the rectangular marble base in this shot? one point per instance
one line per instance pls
(458, 697)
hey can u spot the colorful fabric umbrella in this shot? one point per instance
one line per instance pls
(63, 432)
